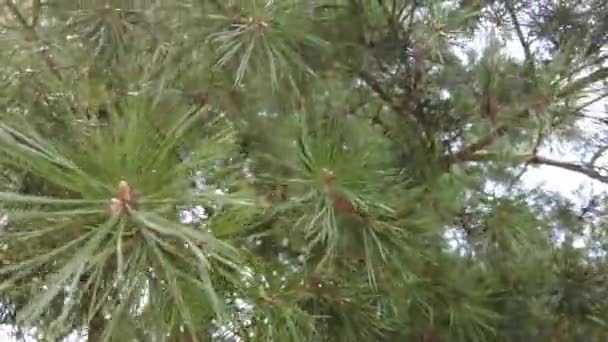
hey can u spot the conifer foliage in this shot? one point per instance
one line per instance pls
(301, 170)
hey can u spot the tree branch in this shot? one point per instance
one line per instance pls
(468, 152)
(16, 13)
(524, 43)
(598, 154)
(376, 87)
(590, 102)
(31, 31)
(586, 170)
(36, 7)
(581, 83)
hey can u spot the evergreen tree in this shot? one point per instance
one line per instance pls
(300, 170)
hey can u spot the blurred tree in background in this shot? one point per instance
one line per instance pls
(301, 170)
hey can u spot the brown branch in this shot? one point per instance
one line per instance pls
(581, 83)
(524, 43)
(586, 64)
(36, 7)
(598, 154)
(387, 98)
(590, 102)
(471, 154)
(15, 11)
(586, 170)
(530, 158)
(375, 119)
(31, 31)
(377, 88)
(468, 152)
(410, 15)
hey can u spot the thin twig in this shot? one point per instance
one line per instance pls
(410, 15)
(377, 88)
(468, 152)
(31, 31)
(383, 95)
(534, 153)
(590, 102)
(579, 168)
(15, 11)
(598, 154)
(520, 35)
(586, 64)
(36, 8)
(584, 169)
(581, 83)
(389, 100)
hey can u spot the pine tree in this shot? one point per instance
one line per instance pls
(300, 170)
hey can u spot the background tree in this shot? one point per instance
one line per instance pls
(300, 170)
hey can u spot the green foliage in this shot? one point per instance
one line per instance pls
(299, 170)
(98, 235)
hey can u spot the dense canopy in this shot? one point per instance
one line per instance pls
(302, 170)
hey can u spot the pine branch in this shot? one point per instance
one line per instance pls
(377, 88)
(595, 62)
(587, 170)
(15, 11)
(520, 35)
(468, 152)
(373, 83)
(596, 99)
(36, 7)
(581, 83)
(31, 31)
(598, 154)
